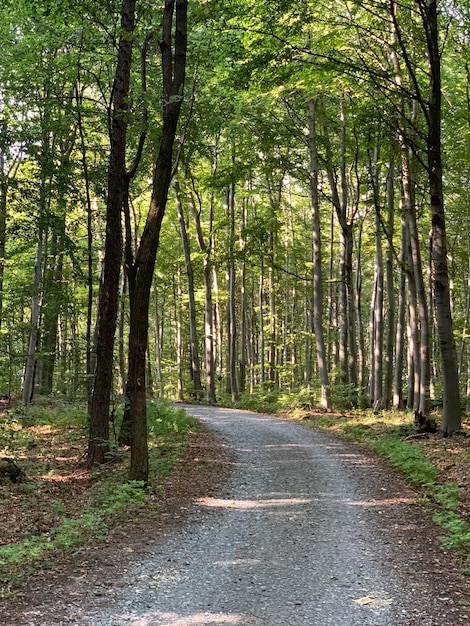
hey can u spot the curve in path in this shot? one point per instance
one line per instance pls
(307, 531)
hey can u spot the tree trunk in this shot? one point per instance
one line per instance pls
(400, 333)
(208, 304)
(90, 275)
(177, 296)
(50, 317)
(193, 338)
(377, 316)
(98, 444)
(377, 321)
(423, 362)
(28, 379)
(173, 72)
(390, 288)
(317, 263)
(451, 418)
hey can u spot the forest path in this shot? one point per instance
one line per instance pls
(307, 530)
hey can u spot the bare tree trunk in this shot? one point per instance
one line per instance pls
(417, 269)
(90, 273)
(451, 418)
(262, 340)
(177, 293)
(317, 263)
(347, 354)
(431, 108)
(28, 379)
(173, 51)
(377, 323)
(98, 443)
(390, 288)
(400, 333)
(159, 330)
(209, 347)
(232, 325)
(50, 317)
(361, 358)
(193, 338)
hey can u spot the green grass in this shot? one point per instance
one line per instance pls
(113, 500)
(384, 434)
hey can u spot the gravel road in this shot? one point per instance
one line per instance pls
(306, 531)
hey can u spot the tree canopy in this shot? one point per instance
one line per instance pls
(316, 233)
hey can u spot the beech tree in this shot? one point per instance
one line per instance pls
(312, 161)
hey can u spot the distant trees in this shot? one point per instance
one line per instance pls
(309, 246)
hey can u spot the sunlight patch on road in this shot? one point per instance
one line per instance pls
(173, 619)
(384, 502)
(251, 504)
(244, 562)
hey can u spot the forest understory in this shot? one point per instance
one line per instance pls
(56, 486)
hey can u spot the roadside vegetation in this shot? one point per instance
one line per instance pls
(438, 467)
(58, 506)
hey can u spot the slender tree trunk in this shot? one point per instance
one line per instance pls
(390, 288)
(317, 263)
(28, 379)
(205, 248)
(417, 269)
(159, 330)
(90, 274)
(451, 418)
(173, 70)
(377, 315)
(347, 350)
(361, 350)
(98, 446)
(50, 317)
(262, 340)
(3, 222)
(177, 297)
(232, 326)
(414, 367)
(400, 333)
(193, 338)
(377, 321)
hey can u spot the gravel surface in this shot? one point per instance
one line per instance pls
(307, 530)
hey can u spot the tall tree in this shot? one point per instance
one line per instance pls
(317, 261)
(173, 45)
(98, 443)
(432, 111)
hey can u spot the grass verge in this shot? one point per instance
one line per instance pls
(437, 466)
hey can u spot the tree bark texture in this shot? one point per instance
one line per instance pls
(98, 446)
(317, 263)
(173, 68)
(450, 375)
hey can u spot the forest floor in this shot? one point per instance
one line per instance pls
(63, 488)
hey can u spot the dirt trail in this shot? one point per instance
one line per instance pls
(307, 530)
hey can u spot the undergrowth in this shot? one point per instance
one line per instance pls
(112, 498)
(386, 434)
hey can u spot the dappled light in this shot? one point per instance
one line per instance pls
(251, 504)
(384, 502)
(173, 619)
